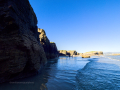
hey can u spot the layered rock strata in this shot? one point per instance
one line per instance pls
(21, 53)
(49, 47)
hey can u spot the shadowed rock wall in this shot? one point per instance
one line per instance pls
(49, 47)
(53, 50)
(21, 53)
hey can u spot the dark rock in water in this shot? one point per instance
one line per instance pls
(21, 53)
(49, 47)
(53, 50)
(85, 56)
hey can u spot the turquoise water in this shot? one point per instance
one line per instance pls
(74, 73)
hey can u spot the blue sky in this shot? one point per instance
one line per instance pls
(81, 25)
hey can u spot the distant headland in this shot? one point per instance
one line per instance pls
(75, 53)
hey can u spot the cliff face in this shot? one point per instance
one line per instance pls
(63, 53)
(53, 50)
(91, 53)
(72, 52)
(94, 53)
(49, 48)
(67, 53)
(21, 53)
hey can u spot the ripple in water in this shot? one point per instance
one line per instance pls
(74, 73)
(98, 76)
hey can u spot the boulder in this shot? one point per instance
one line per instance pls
(85, 56)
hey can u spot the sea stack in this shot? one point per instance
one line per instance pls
(21, 53)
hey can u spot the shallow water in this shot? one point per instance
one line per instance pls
(74, 73)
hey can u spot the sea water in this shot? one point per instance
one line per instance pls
(73, 73)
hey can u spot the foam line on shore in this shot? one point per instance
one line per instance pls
(110, 58)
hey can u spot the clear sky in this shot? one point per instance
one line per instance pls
(81, 25)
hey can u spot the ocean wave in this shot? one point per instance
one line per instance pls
(117, 58)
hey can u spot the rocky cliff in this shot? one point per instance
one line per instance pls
(63, 53)
(72, 52)
(49, 47)
(53, 50)
(67, 53)
(21, 53)
(94, 53)
(91, 53)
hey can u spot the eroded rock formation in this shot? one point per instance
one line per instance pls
(21, 53)
(91, 53)
(53, 50)
(63, 53)
(67, 53)
(94, 53)
(49, 47)
(72, 52)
